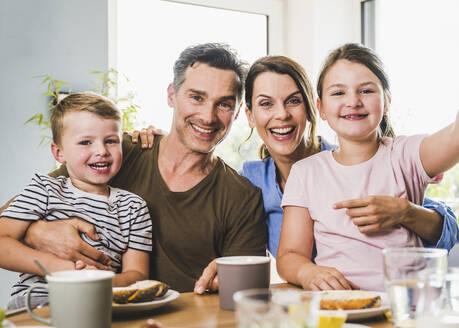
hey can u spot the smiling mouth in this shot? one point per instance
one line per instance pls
(100, 166)
(280, 132)
(354, 116)
(202, 130)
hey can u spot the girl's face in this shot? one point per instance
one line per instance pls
(352, 101)
(278, 113)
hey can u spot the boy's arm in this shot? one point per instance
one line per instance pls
(18, 257)
(6, 205)
(136, 267)
(440, 151)
(295, 251)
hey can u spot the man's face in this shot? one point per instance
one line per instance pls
(205, 106)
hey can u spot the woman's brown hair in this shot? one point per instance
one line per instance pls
(285, 65)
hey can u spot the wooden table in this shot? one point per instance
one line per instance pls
(188, 311)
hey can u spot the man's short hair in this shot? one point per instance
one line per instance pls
(78, 102)
(218, 55)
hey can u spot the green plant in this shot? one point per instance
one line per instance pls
(104, 83)
(52, 93)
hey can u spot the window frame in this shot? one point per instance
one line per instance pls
(272, 9)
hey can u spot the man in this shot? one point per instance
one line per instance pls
(201, 209)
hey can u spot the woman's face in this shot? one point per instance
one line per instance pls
(278, 113)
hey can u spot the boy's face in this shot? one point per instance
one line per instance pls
(91, 149)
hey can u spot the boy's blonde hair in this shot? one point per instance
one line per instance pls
(77, 102)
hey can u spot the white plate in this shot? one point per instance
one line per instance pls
(365, 313)
(354, 325)
(7, 324)
(136, 307)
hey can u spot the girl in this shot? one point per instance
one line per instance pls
(354, 98)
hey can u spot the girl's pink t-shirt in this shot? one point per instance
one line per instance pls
(319, 181)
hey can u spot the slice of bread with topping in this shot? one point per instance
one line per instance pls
(141, 291)
(349, 300)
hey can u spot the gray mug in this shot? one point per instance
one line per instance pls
(78, 298)
(237, 273)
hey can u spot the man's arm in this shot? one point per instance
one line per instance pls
(62, 239)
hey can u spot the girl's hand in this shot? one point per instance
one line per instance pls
(374, 213)
(147, 136)
(325, 278)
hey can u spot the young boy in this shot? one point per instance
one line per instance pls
(86, 137)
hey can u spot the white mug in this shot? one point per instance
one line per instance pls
(78, 298)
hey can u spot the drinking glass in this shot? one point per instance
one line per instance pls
(410, 273)
(443, 311)
(272, 308)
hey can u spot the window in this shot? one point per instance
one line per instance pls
(150, 36)
(418, 43)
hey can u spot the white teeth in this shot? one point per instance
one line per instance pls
(99, 166)
(202, 130)
(282, 130)
(354, 115)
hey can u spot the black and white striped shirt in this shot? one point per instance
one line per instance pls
(122, 220)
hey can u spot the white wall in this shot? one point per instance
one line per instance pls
(63, 38)
(313, 28)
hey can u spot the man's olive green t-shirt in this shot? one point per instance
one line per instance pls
(220, 216)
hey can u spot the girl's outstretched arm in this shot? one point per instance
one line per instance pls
(440, 151)
(295, 251)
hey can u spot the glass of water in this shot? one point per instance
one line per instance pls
(273, 308)
(442, 312)
(413, 277)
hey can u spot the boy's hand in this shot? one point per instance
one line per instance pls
(147, 136)
(62, 239)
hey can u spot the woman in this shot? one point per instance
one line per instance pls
(280, 105)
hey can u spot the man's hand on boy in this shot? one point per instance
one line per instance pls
(146, 136)
(62, 239)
